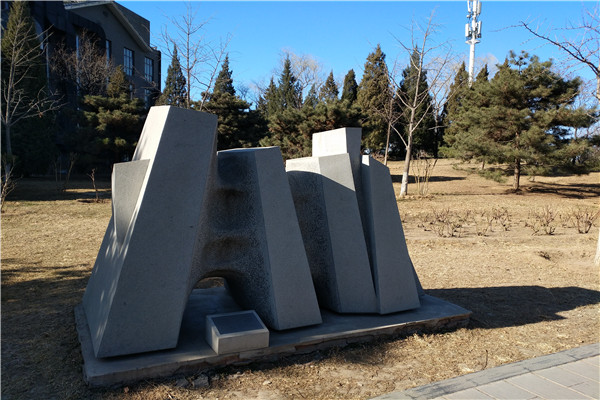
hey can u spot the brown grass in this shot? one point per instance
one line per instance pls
(531, 293)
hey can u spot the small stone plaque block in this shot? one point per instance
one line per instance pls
(236, 332)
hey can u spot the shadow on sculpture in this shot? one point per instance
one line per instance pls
(326, 233)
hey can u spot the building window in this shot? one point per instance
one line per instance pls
(128, 61)
(149, 69)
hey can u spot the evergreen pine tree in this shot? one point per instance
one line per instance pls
(329, 91)
(372, 96)
(175, 92)
(520, 117)
(224, 81)
(238, 126)
(289, 94)
(110, 126)
(350, 88)
(458, 90)
(483, 75)
(311, 100)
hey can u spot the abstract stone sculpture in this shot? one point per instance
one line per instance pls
(136, 295)
(327, 207)
(183, 212)
(393, 278)
(163, 237)
(252, 239)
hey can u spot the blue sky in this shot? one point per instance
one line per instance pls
(340, 35)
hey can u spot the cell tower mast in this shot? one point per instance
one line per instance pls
(473, 32)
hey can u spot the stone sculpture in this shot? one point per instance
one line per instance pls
(163, 238)
(183, 212)
(369, 206)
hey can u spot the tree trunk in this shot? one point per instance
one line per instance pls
(8, 141)
(404, 185)
(387, 143)
(517, 175)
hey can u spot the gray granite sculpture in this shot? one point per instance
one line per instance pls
(163, 237)
(327, 207)
(370, 192)
(183, 212)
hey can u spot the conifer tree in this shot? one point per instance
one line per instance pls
(238, 126)
(224, 81)
(373, 95)
(110, 126)
(175, 92)
(458, 90)
(520, 117)
(329, 91)
(289, 94)
(311, 100)
(350, 88)
(267, 103)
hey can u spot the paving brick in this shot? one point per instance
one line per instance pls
(548, 361)
(468, 394)
(497, 373)
(544, 388)
(585, 351)
(505, 390)
(584, 369)
(589, 388)
(592, 360)
(560, 376)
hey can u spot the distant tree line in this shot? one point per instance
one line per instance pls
(526, 116)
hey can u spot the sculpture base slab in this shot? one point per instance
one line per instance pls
(193, 354)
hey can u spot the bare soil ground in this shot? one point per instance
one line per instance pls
(473, 242)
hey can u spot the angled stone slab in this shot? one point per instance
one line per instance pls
(393, 273)
(252, 239)
(136, 295)
(327, 208)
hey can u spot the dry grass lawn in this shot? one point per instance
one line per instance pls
(472, 241)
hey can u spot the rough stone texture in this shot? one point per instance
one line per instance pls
(252, 239)
(327, 207)
(236, 332)
(136, 295)
(392, 268)
(394, 276)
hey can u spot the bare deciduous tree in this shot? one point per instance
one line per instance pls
(88, 66)
(425, 59)
(306, 68)
(200, 58)
(581, 42)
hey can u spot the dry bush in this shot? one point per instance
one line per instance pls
(584, 218)
(542, 220)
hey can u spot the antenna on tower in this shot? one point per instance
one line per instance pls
(473, 32)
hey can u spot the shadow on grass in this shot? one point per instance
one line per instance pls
(498, 307)
(411, 178)
(571, 191)
(41, 189)
(40, 351)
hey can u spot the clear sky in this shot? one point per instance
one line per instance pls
(340, 35)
